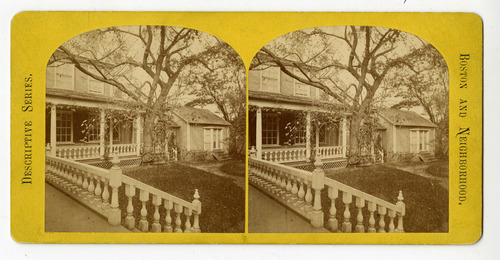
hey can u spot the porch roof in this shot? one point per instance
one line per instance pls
(298, 103)
(71, 97)
(405, 118)
(199, 116)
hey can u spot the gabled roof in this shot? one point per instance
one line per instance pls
(199, 116)
(404, 118)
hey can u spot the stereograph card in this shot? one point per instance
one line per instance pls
(284, 128)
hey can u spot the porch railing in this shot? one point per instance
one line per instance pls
(82, 152)
(284, 155)
(330, 151)
(99, 189)
(294, 188)
(122, 149)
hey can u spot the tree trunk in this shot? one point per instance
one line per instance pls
(354, 139)
(148, 133)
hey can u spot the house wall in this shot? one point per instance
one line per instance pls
(181, 133)
(80, 82)
(388, 135)
(286, 83)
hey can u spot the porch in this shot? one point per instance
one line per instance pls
(293, 137)
(91, 134)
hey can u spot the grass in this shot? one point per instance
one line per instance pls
(223, 203)
(426, 202)
(234, 167)
(438, 169)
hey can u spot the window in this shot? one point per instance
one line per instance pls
(64, 74)
(419, 140)
(270, 79)
(300, 137)
(270, 129)
(64, 126)
(212, 138)
(300, 89)
(93, 134)
(94, 86)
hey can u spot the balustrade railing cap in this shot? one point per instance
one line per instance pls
(318, 163)
(116, 160)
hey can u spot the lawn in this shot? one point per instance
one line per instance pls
(234, 167)
(223, 202)
(426, 202)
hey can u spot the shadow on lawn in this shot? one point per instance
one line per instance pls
(426, 202)
(223, 202)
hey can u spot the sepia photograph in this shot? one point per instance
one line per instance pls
(348, 132)
(145, 132)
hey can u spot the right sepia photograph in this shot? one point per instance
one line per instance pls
(348, 132)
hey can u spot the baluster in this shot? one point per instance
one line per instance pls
(391, 213)
(85, 184)
(283, 185)
(97, 191)
(360, 203)
(346, 225)
(371, 221)
(301, 192)
(156, 227)
(308, 197)
(381, 224)
(274, 180)
(401, 214)
(143, 223)
(178, 211)
(105, 194)
(196, 214)
(74, 180)
(91, 187)
(79, 180)
(333, 222)
(169, 205)
(130, 219)
(295, 190)
(288, 186)
(187, 223)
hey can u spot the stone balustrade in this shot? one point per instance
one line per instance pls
(294, 188)
(99, 189)
(284, 155)
(82, 152)
(365, 204)
(330, 151)
(290, 186)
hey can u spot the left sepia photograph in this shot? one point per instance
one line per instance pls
(145, 132)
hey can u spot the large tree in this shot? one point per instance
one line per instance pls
(429, 90)
(144, 62)
(347, 63)
(224, 87)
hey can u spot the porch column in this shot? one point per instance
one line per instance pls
(308, 136)
(317, 137)
(138, 130)
(211, 139)
(344, 137)
(53, 122)
(102, 134)
(259, 133)
(111, 136)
